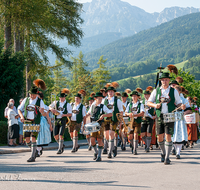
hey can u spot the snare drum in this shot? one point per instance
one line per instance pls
(168, 117)
(179, 116)
(31, 128)
(92, 127)
(172, 117)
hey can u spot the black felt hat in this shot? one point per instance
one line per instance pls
(33, 90)
(174, 82)
(165, 75)
(124, 94)
(134, 92)
(99, 94)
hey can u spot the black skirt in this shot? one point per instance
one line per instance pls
(13, 131)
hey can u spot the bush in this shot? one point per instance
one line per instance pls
(3, 132)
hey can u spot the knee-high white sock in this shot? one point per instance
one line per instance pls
(178, 148)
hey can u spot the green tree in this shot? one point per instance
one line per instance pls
(101, 75)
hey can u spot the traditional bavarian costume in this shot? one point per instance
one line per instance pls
(60, 122)
(180, 135)
(123, 133)
(44, 136)
(78, 114)
(96, 112)
(168, 98)
(31, 113)
(88, 121)
(115, 105)
(135, 108)
(147, 123)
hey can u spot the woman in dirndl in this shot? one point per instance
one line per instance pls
(180, 136)
(44, 136)
(192, 128)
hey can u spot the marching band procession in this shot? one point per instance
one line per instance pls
(159, 116)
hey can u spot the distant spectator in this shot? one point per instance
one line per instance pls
(13, 127)
(6, 109)
(6, 116)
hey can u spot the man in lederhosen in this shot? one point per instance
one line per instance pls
(147, 121)
(62, 111)
(78, 116)
(98, 111)
(135, 110)
(166, 99)
(90, 100)
(32, 115)
(114, 104)
(122, 133)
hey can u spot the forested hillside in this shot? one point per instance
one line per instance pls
(171, 42)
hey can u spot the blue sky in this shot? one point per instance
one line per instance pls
(158, 5)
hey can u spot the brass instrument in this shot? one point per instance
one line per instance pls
(120, 118)
(68, 122)
(38, 107)
(145, 109)
(124, 108)
(57, 112)
(131, 122)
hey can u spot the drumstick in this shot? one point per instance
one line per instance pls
(27, 121)
(178, 108)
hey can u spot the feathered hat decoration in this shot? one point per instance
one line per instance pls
(118, 94)
(139, 90)
(65, 91)
(195, 99)
(128, 91)
(172, 69)
(108, 85)
(179, 80)
(182, 89)
(40, 84)
(115, 84)
(149, 88)
(92, 94)
(82, 92)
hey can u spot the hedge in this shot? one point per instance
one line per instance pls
(3, 132)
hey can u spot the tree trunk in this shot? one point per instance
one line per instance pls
(28, 78)
(7, 32)
(28, 65)
(16, 38)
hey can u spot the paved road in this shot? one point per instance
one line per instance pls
(78, 171)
